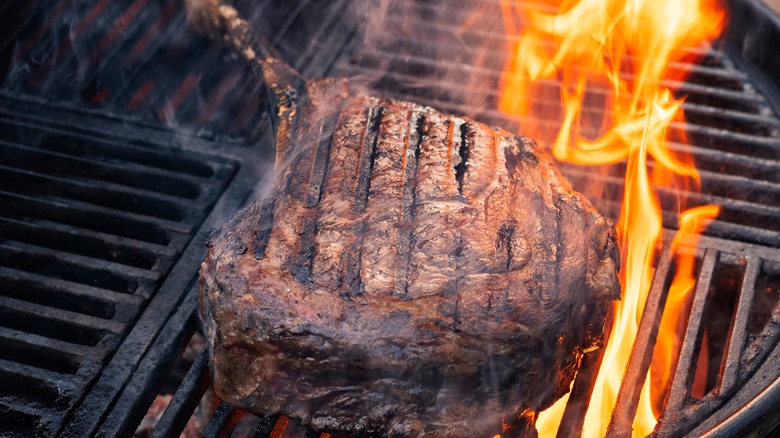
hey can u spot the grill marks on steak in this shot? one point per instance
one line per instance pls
(386, 197)
(412, 272)
(412, 144)
(390, 162)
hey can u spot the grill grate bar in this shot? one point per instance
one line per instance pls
(730, 231)
(139, 391)
(186, 398)
(710, 123)
(745, 189)
(731, 163)
(574, 414)
(266, 425)
(315, 59)
(290, 18)
(732, 99)
(758, 350)
(223, 421)
(739, 331)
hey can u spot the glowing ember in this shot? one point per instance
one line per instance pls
(622, 49)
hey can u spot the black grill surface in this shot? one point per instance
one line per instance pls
(90, 227)
(124, 137)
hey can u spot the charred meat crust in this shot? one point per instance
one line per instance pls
(412, 274)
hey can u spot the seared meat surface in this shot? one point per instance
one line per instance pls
(410, 274)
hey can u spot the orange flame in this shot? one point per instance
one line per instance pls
(616, 53)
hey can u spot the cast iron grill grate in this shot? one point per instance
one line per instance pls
(71, 225)
(89, 228)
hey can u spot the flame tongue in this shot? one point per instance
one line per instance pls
(622, 49)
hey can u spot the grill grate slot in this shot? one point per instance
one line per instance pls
(717, 322)
(766, 298)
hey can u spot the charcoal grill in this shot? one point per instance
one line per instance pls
(125, 137)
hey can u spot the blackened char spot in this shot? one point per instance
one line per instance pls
(301, 266)
(321, 160)
(504, 244)
(560, 205)
(527, 149)
(297, 181)
(464, 152)
(409, 199)
(264, 226)
(237, 246)
(367, 157)
(351, 263)
(211, 238)
(519, 152)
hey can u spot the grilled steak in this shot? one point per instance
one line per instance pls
(411, 273)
